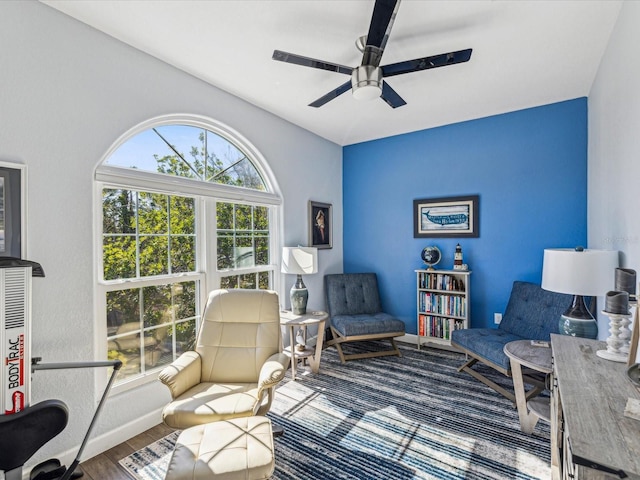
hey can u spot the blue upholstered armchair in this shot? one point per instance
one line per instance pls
(531, 314)
(355, 313)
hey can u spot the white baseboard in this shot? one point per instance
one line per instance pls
(413, 340)
(104, 442)
(408, 338)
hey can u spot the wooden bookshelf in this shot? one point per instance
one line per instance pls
(442, 304)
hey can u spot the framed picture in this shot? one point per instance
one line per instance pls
(12, 200)
(446, 217)
(320, 225)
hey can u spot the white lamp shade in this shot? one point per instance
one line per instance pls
(299, 260)
(587, 272)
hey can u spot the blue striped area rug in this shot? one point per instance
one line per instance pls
(414, 417)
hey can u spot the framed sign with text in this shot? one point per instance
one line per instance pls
(446, 217)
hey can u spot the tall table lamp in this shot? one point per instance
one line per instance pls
(299, 261)
(579, 272)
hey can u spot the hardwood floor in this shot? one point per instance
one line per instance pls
(106, 467)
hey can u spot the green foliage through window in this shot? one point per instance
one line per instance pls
(147, 234)
(243, 236)
(146, 325)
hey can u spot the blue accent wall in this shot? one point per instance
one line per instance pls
(530, 170)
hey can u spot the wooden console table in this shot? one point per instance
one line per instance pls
(591, 439)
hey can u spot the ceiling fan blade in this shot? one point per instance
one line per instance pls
(390, 96)
(310, 62)
(332, 94)
(425, 63)
(384, 13)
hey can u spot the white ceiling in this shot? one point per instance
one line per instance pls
(525, 53)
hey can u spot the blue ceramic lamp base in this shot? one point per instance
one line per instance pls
(299, 296)
(577, 321)
(579, 327)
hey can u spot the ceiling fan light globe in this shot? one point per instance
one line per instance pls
(366, 82)
(367, 92)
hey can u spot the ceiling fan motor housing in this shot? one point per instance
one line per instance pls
(366, 82)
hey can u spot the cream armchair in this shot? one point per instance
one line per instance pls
(236, 364)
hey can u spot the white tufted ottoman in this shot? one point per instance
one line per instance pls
(241, 448)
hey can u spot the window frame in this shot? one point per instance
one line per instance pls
(206, 196)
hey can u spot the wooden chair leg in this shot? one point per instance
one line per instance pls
(340, 353)
(502, 391)
(467, 364)
(383, 353)
(395, 347)
(336, 341)
(466, 367)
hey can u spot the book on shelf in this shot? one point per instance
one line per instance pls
(441, 281)
(431, 302)
(438, 327)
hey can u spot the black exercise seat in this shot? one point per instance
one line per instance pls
(23, 433)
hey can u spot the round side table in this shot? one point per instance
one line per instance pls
(294, 322)
(522, 353)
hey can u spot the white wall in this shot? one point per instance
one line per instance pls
(614, 146)
(67, 92)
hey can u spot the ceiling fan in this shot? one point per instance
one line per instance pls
(367, 78)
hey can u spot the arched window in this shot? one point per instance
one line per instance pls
(190, 152)
(185, 206)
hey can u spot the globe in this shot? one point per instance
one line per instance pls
(431, 255)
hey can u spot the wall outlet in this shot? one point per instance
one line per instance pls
(497, 318)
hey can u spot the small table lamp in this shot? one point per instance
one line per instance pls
(299, 261)
(580, 273)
